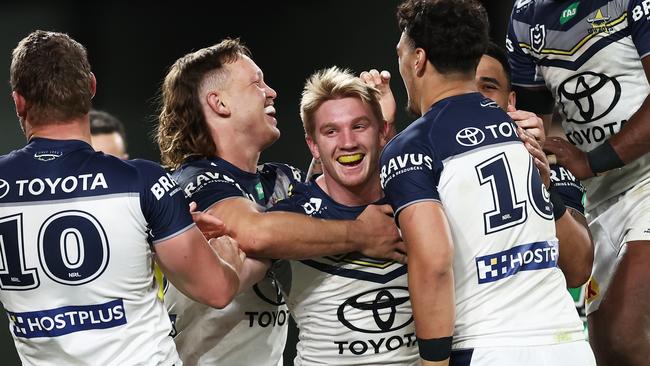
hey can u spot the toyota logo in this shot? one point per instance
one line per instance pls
(470, 136)
(380, 305)
(269, 291)
(588, 96)
(4, 188)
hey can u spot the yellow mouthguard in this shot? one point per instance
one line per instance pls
(347, 159)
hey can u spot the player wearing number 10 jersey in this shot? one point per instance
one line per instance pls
(472, 208)
(78, 229)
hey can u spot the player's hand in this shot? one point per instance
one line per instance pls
(530, 122)
(569, 157)
(539, 157)
(381, 81)
(210, 226)
(228, 250)
(378, 235)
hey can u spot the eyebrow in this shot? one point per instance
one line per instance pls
(355, 120)
(490, 80)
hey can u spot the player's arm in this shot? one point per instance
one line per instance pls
(286, 235)
(251, 271)
(196, 270)
(381, 81)
(576, 247)
(430, 278)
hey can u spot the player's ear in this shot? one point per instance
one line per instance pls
(512, 99)
(383, 133)
(420, 61)
(217, 103)
(93, 85)
(20, 103)
(313, 147)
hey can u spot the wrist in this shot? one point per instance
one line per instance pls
(604, 158)
(559, 208)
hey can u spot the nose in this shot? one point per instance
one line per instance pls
(270, 93)
(347, 139)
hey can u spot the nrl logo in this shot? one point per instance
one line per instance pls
(538, 37)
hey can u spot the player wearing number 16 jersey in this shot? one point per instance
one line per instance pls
(78, 229)
(472, 208)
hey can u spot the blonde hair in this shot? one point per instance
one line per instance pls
(335, 83)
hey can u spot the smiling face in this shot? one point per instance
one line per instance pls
(250, 101)
(347, 139)
(492, 82)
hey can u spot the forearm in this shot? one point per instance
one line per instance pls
(282, 235)
(633, 140)
(432, 297)
(252, 272)
(576, 248)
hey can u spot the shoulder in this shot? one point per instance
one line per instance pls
(299, 195)
(290, 171)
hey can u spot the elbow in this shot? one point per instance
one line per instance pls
(223, 296)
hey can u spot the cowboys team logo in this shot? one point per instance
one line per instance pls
(4, 188)
(538, 37)
(387, 307)
(588, 96)
(470, 136)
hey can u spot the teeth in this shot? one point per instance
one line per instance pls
(269, 109)
(349, 159)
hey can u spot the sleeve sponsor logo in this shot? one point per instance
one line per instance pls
(641, 10)
(206, 178)
(561, 175)
(402, 164)
(67, 319)
(165, 184)
(470, 136)
(527, 257)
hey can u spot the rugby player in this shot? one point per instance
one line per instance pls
(350, 309)
(79, 229)
(478, 227)
(107, 134)
(589, 59)
(217, 116)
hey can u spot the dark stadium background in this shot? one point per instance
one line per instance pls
(131, 46)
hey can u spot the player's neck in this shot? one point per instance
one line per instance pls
(445, 87)
(365, 194)
(244, 158)
(75, 129)
(235, 149)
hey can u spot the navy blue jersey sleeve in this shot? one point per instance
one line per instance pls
(409, 172)
(568, 187)
(207, 187)
(518, 43)
(162, 201)
(638, 17)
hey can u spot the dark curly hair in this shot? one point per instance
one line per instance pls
(453, 33)
(182, 131)
(51, 71)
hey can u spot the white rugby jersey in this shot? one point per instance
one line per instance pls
(76, 273)
(464, 153)
(350, 310)
(588, 54)
(252, 329)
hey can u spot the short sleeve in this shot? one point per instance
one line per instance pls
(638, 18)
(409, 173)
(209, 186)
(567, 187)
(162, 201)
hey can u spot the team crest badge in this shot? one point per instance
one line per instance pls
(538, 37)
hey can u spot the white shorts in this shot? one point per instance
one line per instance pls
(613, 224)
(562, 354)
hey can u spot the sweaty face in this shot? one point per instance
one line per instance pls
(492, 82)
(406, 58)
(347, 140)
(110, 144)
(250, 101)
